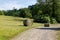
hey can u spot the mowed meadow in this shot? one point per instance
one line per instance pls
(11, 26)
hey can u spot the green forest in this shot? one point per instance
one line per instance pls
(47, 11)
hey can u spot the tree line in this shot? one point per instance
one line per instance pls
(47, 11)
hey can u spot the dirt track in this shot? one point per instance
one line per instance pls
(37, 34)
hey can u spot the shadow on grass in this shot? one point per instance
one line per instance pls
(18, 20)
(22, 26)
(49, 28)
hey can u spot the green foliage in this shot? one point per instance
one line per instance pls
(58, 18)
(34, 9)
(50, 7)
(25, 13)
(53, 21)
(42, 11)
(42, 19)
(2, 12)
(46, 19)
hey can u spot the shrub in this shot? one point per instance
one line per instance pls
(42, 19)
(53, 21)
(46, 19)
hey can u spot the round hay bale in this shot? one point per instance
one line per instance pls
(46, 25)
(28, 22)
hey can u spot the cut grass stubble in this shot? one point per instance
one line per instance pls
(11, 26)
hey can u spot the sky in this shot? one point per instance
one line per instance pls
(10, 4)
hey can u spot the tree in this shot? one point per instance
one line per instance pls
(50, 7)
(2, 12)
(57, 8)
(25, 12)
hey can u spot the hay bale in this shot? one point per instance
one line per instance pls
(46, 25)
(28, 22)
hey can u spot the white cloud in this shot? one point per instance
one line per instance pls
(9, 4)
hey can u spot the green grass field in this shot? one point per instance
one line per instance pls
(11, 26)
(58, 35)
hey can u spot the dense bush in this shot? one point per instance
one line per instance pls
(53, 21)
(2, 12)
(25, 12)
(58, 18)
(42, 19)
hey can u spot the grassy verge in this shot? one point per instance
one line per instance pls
(58, 35)
(11, 26)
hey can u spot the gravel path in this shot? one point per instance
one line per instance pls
(37, 34)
